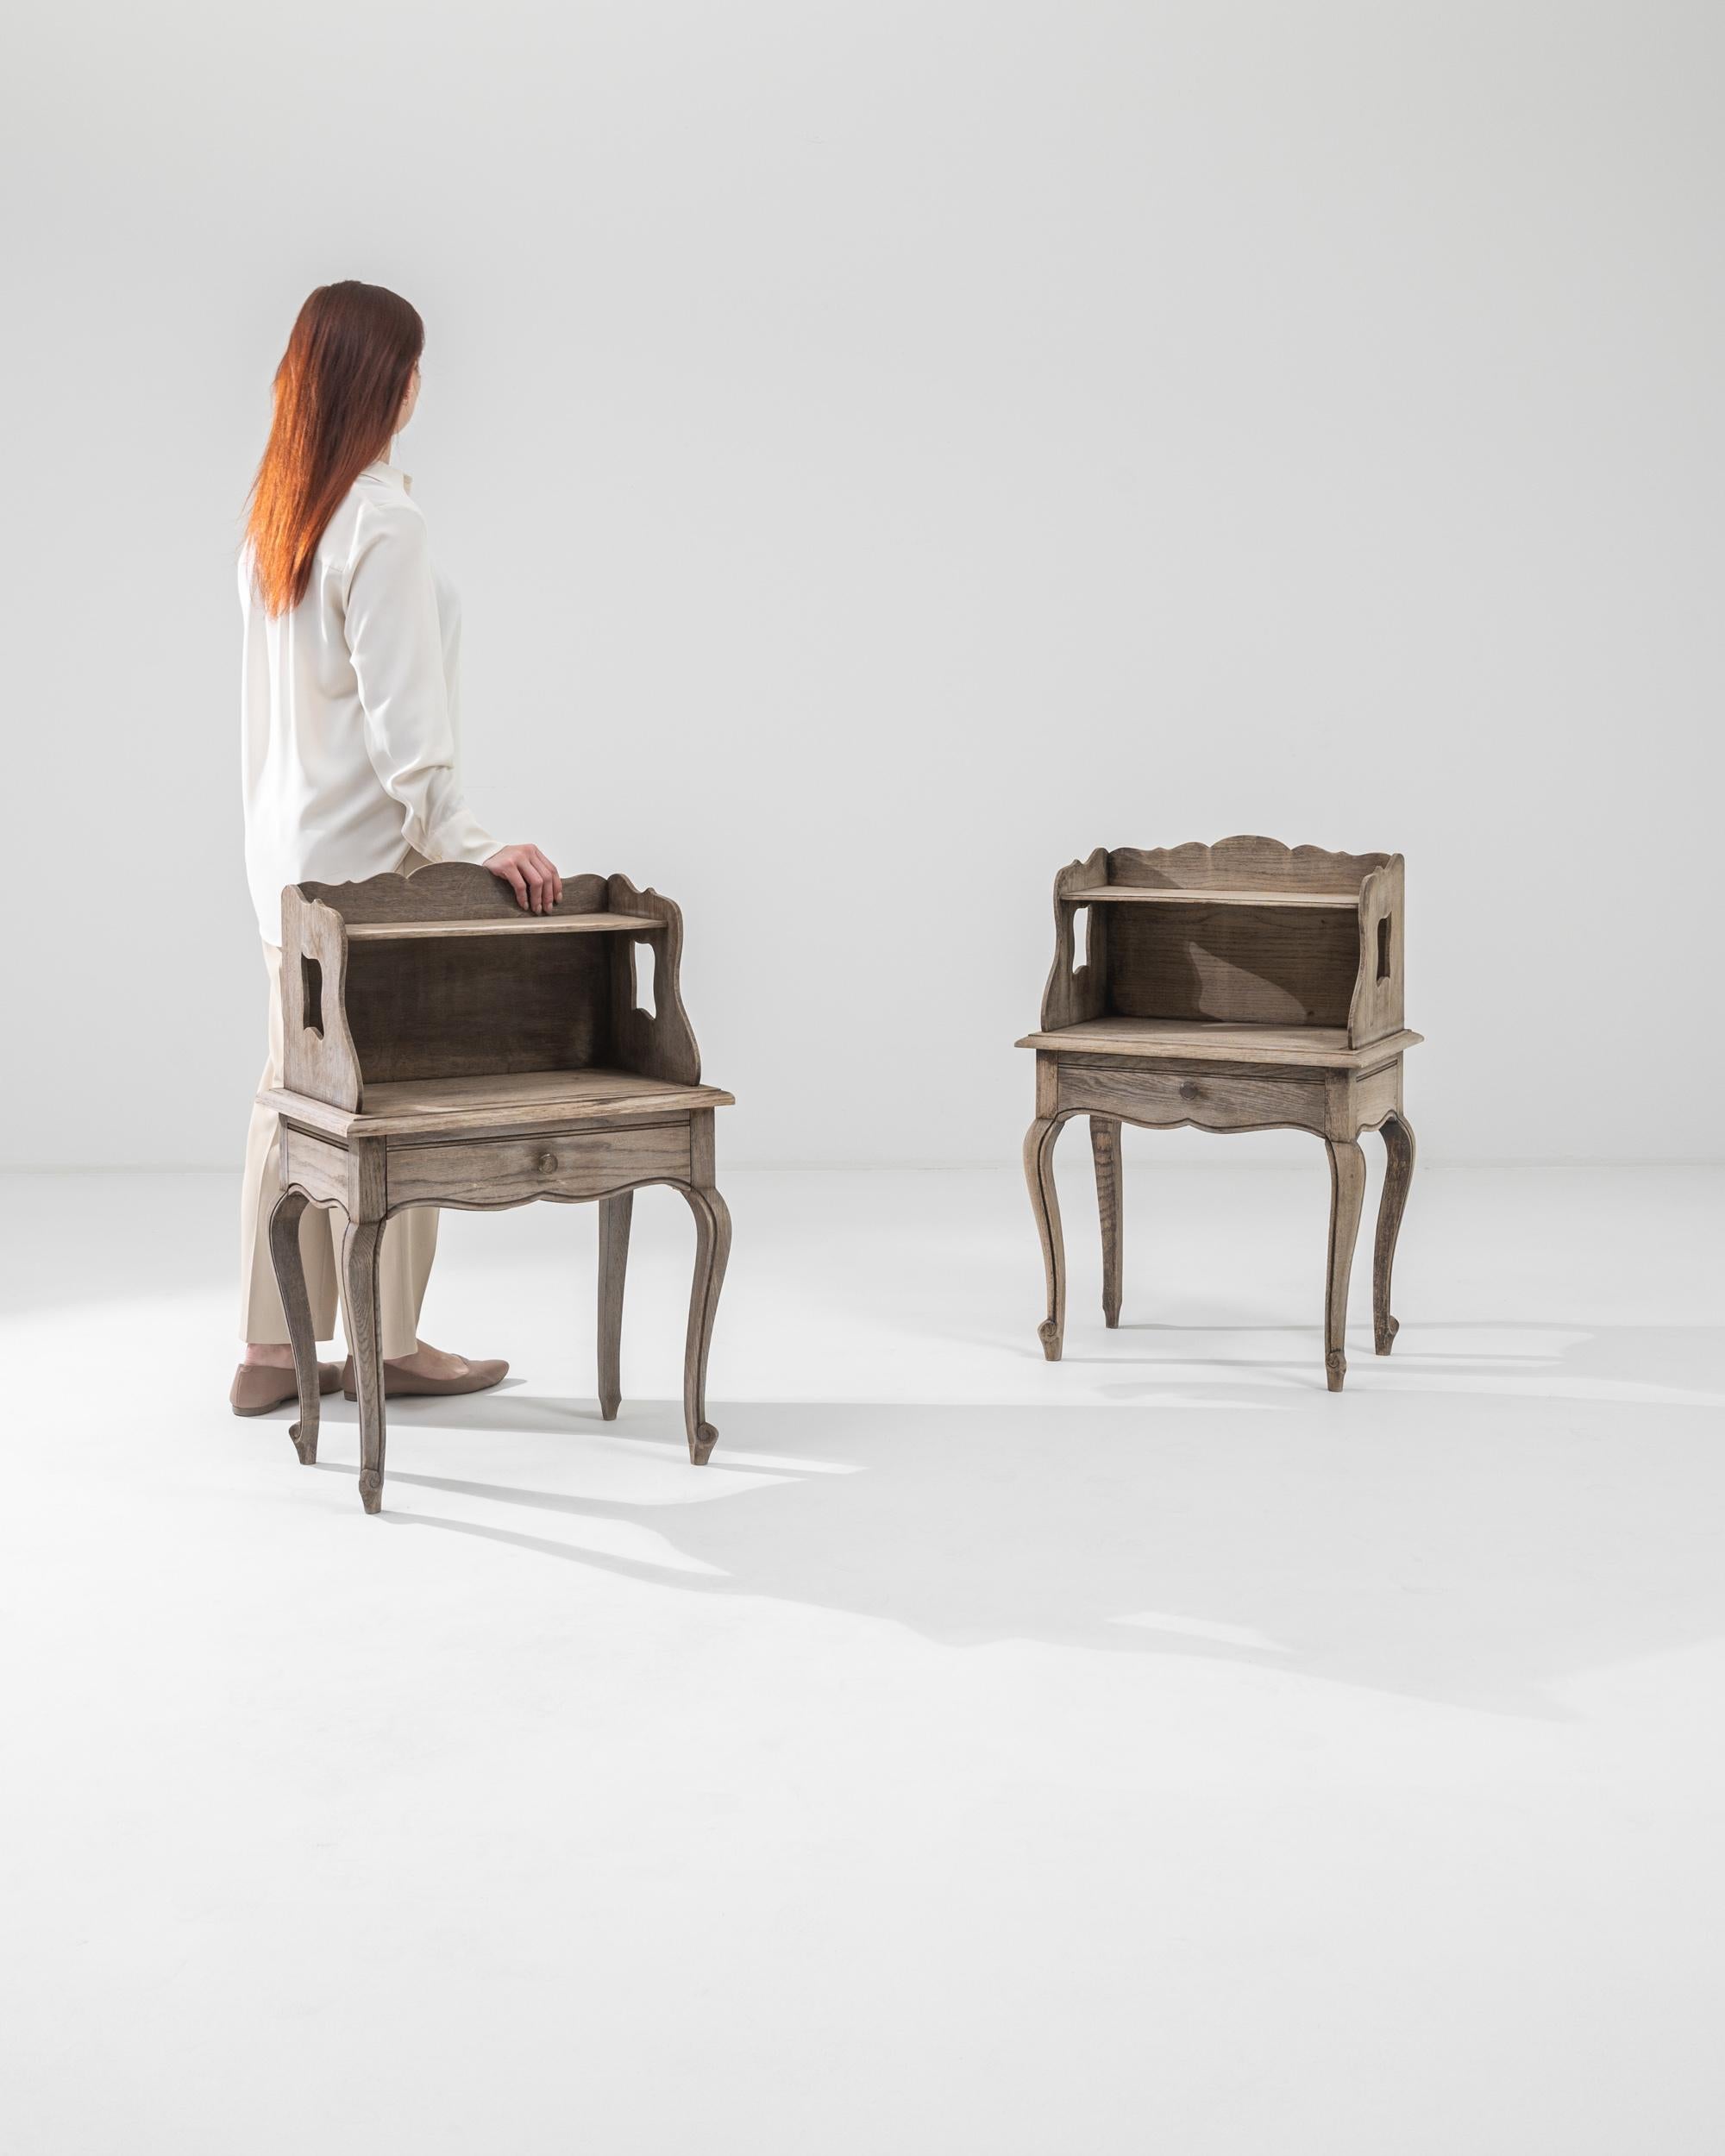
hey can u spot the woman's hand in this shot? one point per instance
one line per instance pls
(536, 885)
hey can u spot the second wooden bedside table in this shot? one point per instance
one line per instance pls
(1247, 986)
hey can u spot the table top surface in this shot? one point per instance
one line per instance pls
(1182, 1040)
(499, 1106)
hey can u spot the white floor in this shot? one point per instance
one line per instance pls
(1151, 1752)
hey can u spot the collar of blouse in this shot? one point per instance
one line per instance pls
(383, 469)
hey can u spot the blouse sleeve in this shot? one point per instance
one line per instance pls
(395, 645)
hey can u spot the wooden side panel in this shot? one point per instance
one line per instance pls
(1241, 864)
(662, 1045)
(319, 1056)
(1378, 1003)
(1239, 964)
(317, 1166)
(1373, 1097)
(1070, 997)
(476, 1007)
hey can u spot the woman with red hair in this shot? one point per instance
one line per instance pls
(348, 708)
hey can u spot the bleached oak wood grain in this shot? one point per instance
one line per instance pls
(615, 1214)
(1323, 1045)
(1148, 895)
(520, 924)
(1398, 1177)
(1105, 1154)
(521, 1100)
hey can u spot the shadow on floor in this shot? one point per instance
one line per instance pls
(1474, 1546)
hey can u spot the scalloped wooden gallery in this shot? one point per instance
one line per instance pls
(443, 1048)
(1247, 986)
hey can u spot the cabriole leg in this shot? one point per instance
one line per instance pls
(614, 1215)
(1398, 1174)
(712, 1249)
(1039, 1161)
(289, 1279)
(360, 1245)
(1105, 1148)
(1347, 1194)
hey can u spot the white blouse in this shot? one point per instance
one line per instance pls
(350, 707)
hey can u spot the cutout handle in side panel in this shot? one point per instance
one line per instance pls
(312, 995)
(1081, 938)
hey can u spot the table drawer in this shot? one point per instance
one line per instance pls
(1156, 1092)
(558, 1164)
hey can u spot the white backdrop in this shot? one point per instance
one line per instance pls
(885, 449)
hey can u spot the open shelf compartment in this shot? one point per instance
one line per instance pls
(409, 992)
(1292, 952)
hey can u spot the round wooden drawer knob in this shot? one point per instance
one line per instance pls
(548, 1163)
(1191, 1090)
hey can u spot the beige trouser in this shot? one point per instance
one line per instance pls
(404, 1264)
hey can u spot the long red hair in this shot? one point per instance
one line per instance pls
(337, 391)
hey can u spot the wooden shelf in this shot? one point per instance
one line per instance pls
(507, 925)
(1325, 1046)
(1147, 894)
(530, 1099)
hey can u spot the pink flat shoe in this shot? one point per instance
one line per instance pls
(398, 1384)
(257, 1388)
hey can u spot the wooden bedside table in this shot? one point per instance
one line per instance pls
(1245, 986)
(443, 1048)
